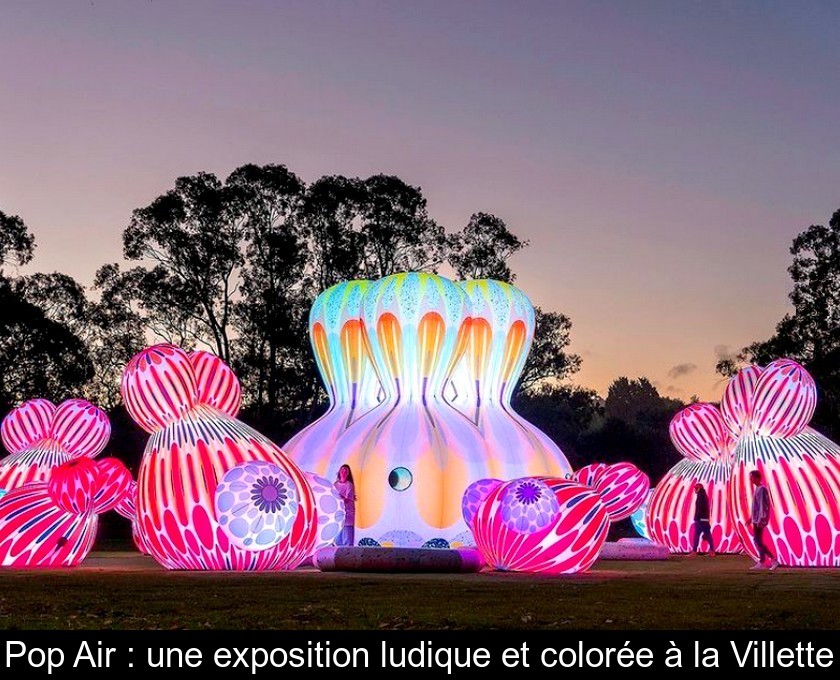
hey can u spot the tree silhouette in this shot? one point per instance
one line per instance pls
(482, 249)
(811, 333)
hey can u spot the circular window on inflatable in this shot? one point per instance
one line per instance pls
(400, 479)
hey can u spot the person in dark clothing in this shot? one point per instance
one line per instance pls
(702, 526)
(760, 518)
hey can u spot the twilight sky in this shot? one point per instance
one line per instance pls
(659, 156)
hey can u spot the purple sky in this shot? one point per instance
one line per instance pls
(659, 156)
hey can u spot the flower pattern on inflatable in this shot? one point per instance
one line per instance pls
(53, 524)
(699, 432)
(263, 516)
(550, 525)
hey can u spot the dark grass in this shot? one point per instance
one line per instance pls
(121, 590)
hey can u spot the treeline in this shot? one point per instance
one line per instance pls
(233, 266)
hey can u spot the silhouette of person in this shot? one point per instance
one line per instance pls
(702, 526)
(760, 517)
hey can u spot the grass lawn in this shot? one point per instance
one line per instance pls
(125, 590)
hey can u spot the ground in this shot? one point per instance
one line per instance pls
(125, 590)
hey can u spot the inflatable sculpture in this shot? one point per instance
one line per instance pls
(501, 331)
(388, 351)
(550, 525)
(212, 493)
(40, 436)
(700, 434)
(53, 524)
(639, 518)
(127, 508)
(768, 410)
(623, 487)
(338, 343)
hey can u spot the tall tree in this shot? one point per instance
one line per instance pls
(16, 243)
(398, 233)
(549, 360)
(810, 334)
(192, 234)
(482, 249)
(330, 219)
(40, 356)
(273, 307)
(630, 400)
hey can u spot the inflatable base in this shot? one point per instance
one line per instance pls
(634, 549)
(393, 560)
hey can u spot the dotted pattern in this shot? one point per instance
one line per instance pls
(256, 503)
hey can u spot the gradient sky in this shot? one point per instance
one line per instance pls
(659, 156)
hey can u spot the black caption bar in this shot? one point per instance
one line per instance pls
(258, 653)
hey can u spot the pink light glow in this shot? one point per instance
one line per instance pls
(188, 402)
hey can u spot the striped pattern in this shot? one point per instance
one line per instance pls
(421, 333)
(216, 385)
(736, 405)
(802, 473)
(699, 433)
(113, 484)
(72, 485)
(670, 509)
(182, 466)
(784, 400)
(42, 436)
(588, 475)
(158, 386)
(127, 507)
(80, 428)
(623, 489)
(35, 532)
(27, 425)
(568, 545)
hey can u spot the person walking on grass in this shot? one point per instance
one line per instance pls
(702, 526)
(759, 518)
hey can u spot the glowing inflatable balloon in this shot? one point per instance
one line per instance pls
(41, 436)
(800, 467)
(53, 524)
(501, 331)
(443, 370)
(127, 507)
(413, 454)
(699, 433)
(330, 507)
(639, 518)
(541, 524)
(337, 334)
(474, 496)
(189, 402)
(623, 488)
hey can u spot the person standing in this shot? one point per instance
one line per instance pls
(760, 517)
(347, 490)
(702, 525)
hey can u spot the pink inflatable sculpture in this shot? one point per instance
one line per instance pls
(546, 524)
(53, 524)
(768, 410)
(623, 487)
(700, 434)
(212, 493)
(40, 436)
(127, 508)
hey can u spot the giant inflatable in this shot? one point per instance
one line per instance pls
(212, 492)
(432, 364)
